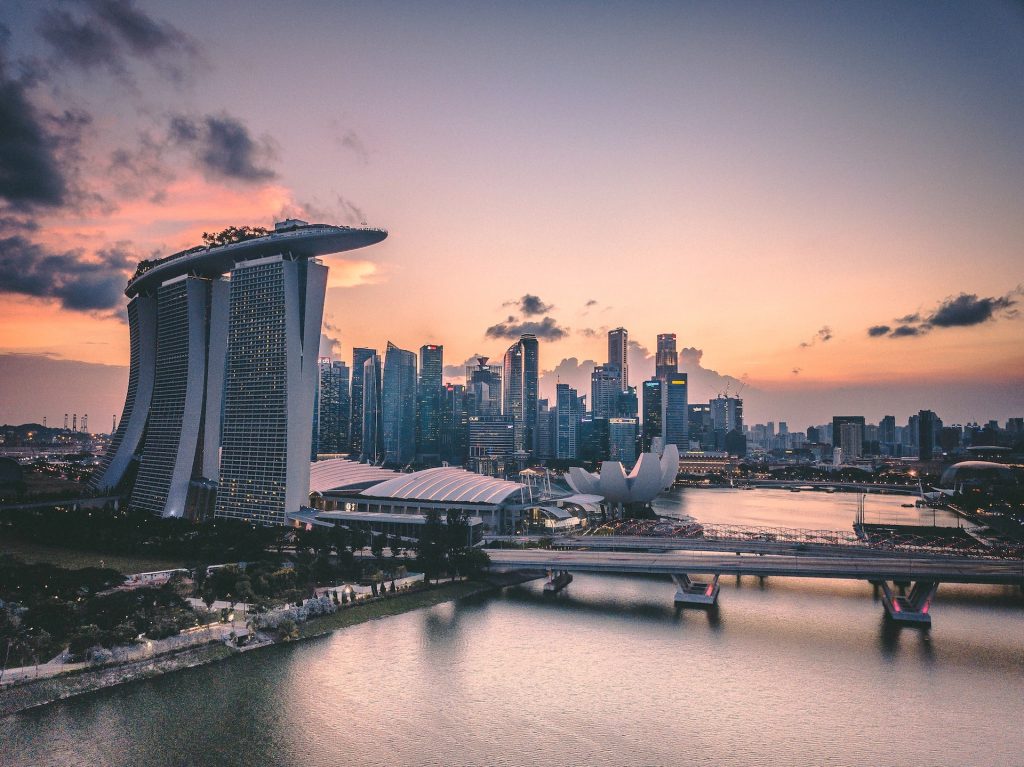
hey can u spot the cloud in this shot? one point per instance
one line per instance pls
(140, 172)
(329, 346)
(796, 371)
(600, 332)
(76, 281)
(109, 32)
(571, 371)
(967, 309)
(459, 370)
(547, 329)
(902, 331)
(591, 302)
(530, 305)
(350, 212)
(964, 310)
(690, 357)
(223, 148)
(30, 171)
(824, 335)
(351, 141)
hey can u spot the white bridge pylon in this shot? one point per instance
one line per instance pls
(695, 592)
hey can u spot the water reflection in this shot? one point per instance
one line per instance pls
(597, 674)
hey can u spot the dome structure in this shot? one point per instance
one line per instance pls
(979, 473)
(650, 476)
(449, 485)
(345, 474)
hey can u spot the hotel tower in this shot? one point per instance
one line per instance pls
(224, 350)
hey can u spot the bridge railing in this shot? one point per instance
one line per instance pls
(879, 539)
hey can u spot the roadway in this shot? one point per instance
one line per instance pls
(944, 569)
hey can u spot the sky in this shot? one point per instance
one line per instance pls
(824, 201)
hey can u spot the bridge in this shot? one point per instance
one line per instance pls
(893, 571)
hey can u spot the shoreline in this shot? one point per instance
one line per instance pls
(37, 693)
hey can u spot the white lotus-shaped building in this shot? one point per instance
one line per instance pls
(650, 476)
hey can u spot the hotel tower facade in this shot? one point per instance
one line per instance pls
(224, 350)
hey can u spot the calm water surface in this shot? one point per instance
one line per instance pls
(785, 671)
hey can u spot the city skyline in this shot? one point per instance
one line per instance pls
(822, 205)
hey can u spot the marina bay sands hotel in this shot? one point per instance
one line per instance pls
(224, 347)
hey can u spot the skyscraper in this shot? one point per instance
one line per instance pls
(666, 359)
(567, 416)
(223, 374)
(622, 440)
(531, 388)
(726, 413)
(618, 355)
(521, 382)
(512, 396)
(928, 425)
(331, 432)
(372, 431)
(484, 382)
(428, 403)
(605, 389)
(851, 441)
(398, 401)
(653, 422)
(677, 424)
(190, 342)
(455, 408)
(359, 357)
(273, 340)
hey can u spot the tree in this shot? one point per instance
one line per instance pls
(456, 538)
(377, 545)
(395, 544)
(431, 545)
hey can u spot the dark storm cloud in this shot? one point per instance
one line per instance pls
(530, 305)
(547, 328)
(967, 309)
(964, 310)
(904, 331)
(111, 30)
(76, 282)
(30, 173)
(223, 147)
(84, 44)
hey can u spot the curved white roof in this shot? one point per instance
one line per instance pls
(339, 473)
(447, 484)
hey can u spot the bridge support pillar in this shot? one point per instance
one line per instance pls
(557, 580)
(695, 592)
(912, 608)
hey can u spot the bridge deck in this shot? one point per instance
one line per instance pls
(945, 569)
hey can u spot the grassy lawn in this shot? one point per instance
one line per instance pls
(393, 605)
(75, 559)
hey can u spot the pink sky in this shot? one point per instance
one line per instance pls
(742, 179)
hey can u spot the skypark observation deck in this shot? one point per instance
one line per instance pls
(299, 241)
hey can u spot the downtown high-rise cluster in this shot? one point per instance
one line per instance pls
(397, 411)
